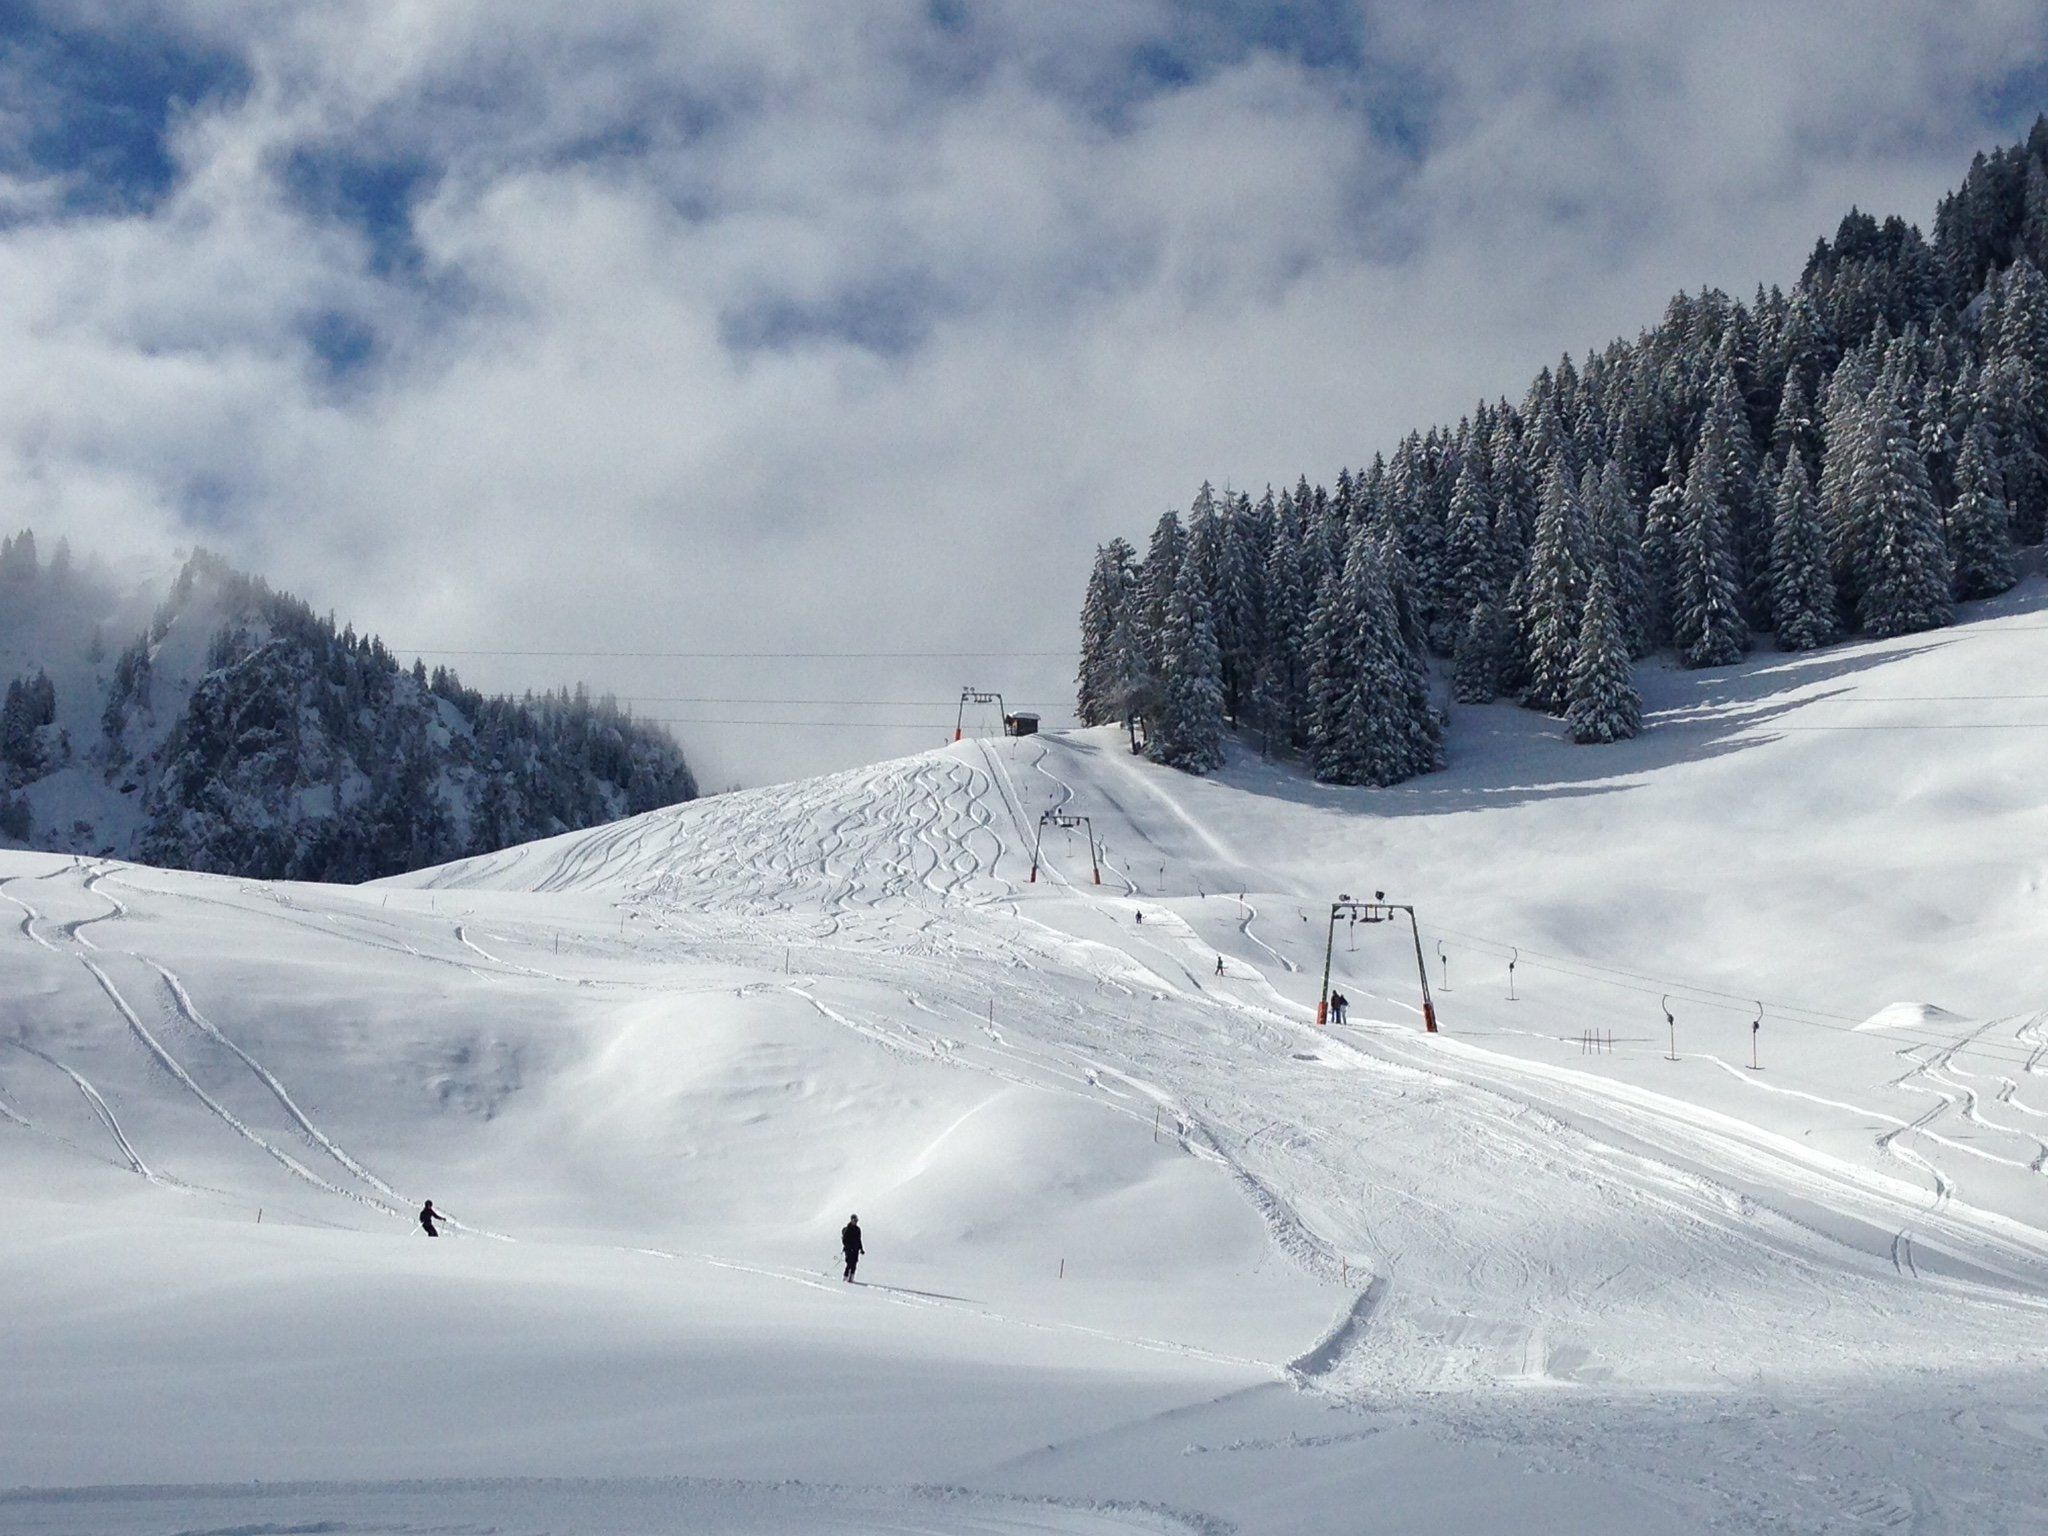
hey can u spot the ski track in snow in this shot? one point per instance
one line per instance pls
(865, 906)
(897, 882)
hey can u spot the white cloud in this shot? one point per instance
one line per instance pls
(622, 399)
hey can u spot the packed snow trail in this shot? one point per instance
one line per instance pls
(708, 1032)
(1377, 1154)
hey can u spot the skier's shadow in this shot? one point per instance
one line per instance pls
(904, 1290)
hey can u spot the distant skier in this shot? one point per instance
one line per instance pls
(1141, 919)
(428, 1216)
(1340, 1006)
(1219, 965)
(849, 1240)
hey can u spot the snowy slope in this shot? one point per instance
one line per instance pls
(1149, 1250)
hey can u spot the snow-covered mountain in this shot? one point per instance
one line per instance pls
(192, 717)
(1148, 1250)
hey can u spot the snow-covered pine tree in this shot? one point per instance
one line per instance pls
(1157, 578)
(1109, 583)
(1556, 593)
(1618, 547)
(1707, 624)
(2016, 403)
(1131, 691)
(1802, 591)
(1514, 499)
(1331, 676)
(1979, 528)
(1794, 428)
(1283, 674)
(1660, 552)
(1188, 733)
(1476, 664)
(1906, 582)
(1726, 433)
(1384, 727)
(1470, 553)
(1604, 703)
(1845, 431)
(1235, 591)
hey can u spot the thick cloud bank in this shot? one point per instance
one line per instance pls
(734, 326)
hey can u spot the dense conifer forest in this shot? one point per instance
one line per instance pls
(239, 732)
(1853, 457)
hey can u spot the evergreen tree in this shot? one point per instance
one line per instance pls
(1469, 554)
(1157, 578)
(1102, 611)
(1802, 591)
(1845, 431)
(1235, 589)
(1979, 529)
(1906, 582)
(1793, 429)
(1556, 591)
(1383, 727)
(1476, 665)
(1331, 676)
(1660, 552)
(1283, 672)
(2016, 405)
(1189, 731)
(1604, 704)
(1706, 621)
(1514, 502)
(1618, 549)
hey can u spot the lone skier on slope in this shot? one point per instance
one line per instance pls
(428, 1216)
(849, 1240)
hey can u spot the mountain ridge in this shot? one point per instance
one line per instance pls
(238, 732)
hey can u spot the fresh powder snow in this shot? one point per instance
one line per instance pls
(1683, 1222)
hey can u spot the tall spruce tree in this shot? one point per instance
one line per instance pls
(1469, 554)
(1188, 733)
(1707, 624)
(1102, 612)
(1476, 664)
(1905, 582)
(1660, 551)
(1979, 528)
(2016, 404)
(1157, 578)
(1802, 591)
(1618, 548)
(1283, 675)
(1330, 675)
(1383, 727)
(1604, 703)
(1557, 588)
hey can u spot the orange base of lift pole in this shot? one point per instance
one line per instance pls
(1322, 1012)
(1429, 1018)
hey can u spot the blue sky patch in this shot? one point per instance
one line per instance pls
(94, 109)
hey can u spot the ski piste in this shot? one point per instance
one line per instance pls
(1160, 1253)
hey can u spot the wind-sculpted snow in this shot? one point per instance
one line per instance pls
(1139, 1230)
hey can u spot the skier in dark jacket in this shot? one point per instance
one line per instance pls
(849, 1240)
(428, 1216)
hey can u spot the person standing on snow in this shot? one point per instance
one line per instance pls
(849, 1240)
(428, 1216)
